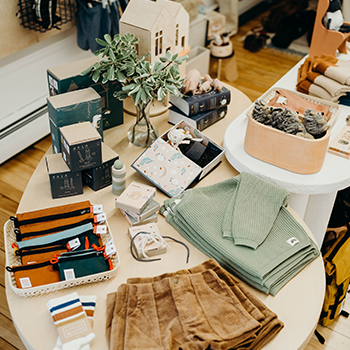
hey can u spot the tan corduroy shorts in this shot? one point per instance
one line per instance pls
(190, 309)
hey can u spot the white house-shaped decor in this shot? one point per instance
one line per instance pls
(161, 25)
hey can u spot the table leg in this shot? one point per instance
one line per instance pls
(317, 214)
(219, 68)
(298, 202)
(231, 72)
(315, 210)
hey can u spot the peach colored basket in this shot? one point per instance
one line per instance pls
(14, 260)
(290, 152)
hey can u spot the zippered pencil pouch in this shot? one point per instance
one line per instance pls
(53, 213)
(34, 275)
(45, 221)
(59, 238)
(82, 263)
(35, 256)
(32, 255)
(49, 227)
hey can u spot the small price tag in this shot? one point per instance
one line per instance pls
(100, 217)
(25, 282)
(293, 241)
(69, 274)
(74, 244)
(282, 100)
(100, 229)
(110, 248)
(96, 209)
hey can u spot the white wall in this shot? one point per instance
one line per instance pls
(23, 88)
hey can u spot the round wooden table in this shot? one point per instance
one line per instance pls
(298, 304)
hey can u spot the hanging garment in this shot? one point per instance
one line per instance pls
(96, 21)
(337, 268)
(45, 12)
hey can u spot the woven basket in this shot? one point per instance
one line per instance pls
(14, 260)
(287, 151)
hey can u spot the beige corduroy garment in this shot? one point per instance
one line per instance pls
(196, 309)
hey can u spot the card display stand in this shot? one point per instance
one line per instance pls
(44, 15)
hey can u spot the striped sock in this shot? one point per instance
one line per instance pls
(73, 325)
(89, 303)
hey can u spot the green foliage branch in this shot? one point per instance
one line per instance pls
(140, 80)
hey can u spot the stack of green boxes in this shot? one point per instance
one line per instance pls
(66, 78)
(84, 157)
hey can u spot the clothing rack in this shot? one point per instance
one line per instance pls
(44, 15)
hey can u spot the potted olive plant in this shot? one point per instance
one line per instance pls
(140, 80)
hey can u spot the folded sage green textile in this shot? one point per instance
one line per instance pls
(252, 210)
(200, 214)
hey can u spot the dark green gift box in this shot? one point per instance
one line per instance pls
(101, 176)
(71, 108)
(67, 77)
(63, 182)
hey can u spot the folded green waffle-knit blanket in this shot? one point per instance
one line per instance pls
(206, 216)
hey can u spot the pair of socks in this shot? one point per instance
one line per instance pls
(73, 316)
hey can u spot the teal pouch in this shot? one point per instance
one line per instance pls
(77, 264)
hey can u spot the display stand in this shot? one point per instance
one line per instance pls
(298, 304)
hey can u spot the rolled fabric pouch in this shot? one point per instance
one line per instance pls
(62, 237)
(82, 263)
(34, 275)
(53, 213)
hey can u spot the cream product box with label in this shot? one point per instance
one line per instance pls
(81, 146)
(135, 197)
(152, 248)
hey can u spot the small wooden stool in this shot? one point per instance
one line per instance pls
(229, 69)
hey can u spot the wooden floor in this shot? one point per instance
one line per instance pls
(257, 72)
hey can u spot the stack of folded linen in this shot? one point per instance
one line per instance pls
(325, 77)
(201, 308)
(243, 223)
